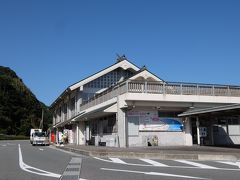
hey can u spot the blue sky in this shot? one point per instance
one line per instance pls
(53, 44)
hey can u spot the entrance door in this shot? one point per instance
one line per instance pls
(220, 135)
(194, 130)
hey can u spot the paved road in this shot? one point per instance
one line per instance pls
(142, 169)
(20, 160)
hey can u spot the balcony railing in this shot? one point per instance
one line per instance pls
(183, 89)
(160, 88)
(104, 96)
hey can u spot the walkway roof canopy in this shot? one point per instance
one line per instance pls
(233, 107)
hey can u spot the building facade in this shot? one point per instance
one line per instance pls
(125, 106)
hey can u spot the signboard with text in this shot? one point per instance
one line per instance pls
(149, 121)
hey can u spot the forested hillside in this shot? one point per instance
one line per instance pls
(20, 110)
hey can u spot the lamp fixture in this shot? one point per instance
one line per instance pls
(192, 106)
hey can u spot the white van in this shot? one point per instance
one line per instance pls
(40, 138)
(31, 134)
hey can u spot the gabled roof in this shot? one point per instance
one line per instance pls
(146, 75)
(143, 72)
(124, 64)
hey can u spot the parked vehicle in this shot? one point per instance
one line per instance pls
(32, 131)
(40, 138)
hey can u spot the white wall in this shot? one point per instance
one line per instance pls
(188, 132)
(181, 98)
(81, 129)
(164, 139)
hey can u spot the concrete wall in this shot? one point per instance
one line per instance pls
(140, 131)
(81, 129)
(181, 98)
(188, 132)
(164, 139)
(121, 122)
(110, 139)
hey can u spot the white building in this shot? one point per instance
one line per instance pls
(124, 106)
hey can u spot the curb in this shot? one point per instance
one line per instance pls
(162, 156)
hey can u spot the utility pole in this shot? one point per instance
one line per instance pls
(41, 122)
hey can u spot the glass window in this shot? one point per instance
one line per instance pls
(94, 127)
(167, 114)
(109, 125)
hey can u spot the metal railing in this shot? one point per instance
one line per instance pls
(104, 96)
(183, 89)
(162, 88)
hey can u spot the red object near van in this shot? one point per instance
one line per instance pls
(53, 137)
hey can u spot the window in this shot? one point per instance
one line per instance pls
(65, 108)
(233, 121)
(168, 114)
(94, 127)
(133, 125)
(109, 125)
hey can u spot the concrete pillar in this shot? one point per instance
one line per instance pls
(188, 132)
(198, 133)
(77, 134)
(121, 123)
(121, 127)
(56, 138)
(80, 137)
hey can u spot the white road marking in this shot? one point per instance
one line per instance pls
(67, 152)
(230, 163)
(177, 167)
(154, 163)
(41, 149)
(153, 173)
(27, 168)
(196, 164)
(117, 160)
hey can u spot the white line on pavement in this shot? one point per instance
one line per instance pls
(117, 160)
(154, 163)
(177, 167)
(196, 164)
(153, 173)
(230, 163)
(27, 168)
(65, 151)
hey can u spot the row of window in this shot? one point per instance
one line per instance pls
(109, 79)
(105, 81)
(108, 125)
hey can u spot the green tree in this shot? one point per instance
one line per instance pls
(20, 110)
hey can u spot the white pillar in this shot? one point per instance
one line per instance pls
(121, 128)
(188, 132)
(121, 123)
(198, 133)
(81, 129)
(77, 134)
